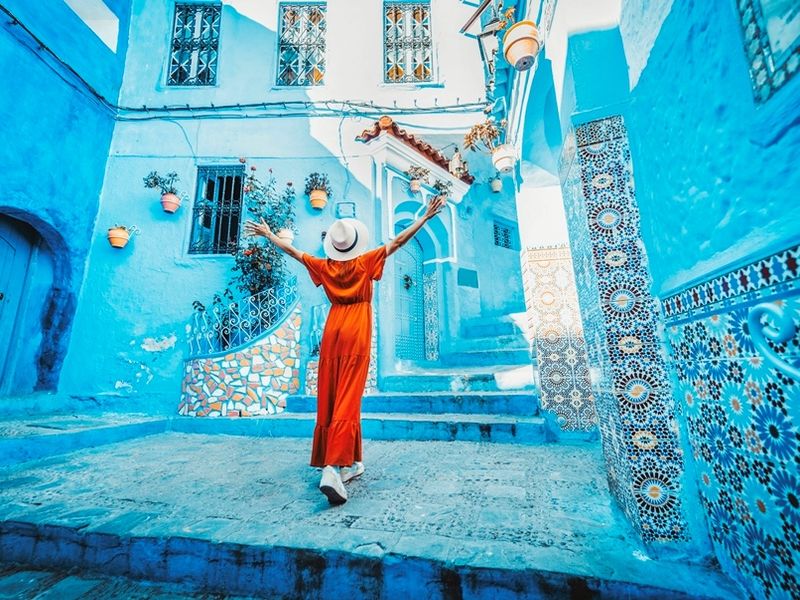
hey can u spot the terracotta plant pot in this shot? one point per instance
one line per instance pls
(170, 202)
(319, 198)
(496, 184)
(413, 185)
(118, 237)
(521, 45)
(503, 158)
(286, 234)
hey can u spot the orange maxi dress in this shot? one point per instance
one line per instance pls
(344, 354)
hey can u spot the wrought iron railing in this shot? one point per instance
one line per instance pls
(226, 327)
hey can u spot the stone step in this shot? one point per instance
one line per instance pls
(508, 342)
(483, 329)
(496, 403)
(385, 426)
(506, 356)
(439, 381)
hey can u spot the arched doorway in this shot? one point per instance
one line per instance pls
(26, 295)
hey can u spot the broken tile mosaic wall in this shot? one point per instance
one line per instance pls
(252, 381)
(735, 355)
(557, 332)
(633, 397)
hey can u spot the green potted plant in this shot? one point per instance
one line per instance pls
(417, 175)
(485, 137)
(318, 189)
(170, 201)
(286, 214)
(119, 235)
(443, 188)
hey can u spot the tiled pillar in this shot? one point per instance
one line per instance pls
(557, 335)
(621, 321)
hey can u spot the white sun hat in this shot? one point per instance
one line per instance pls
(346, 239)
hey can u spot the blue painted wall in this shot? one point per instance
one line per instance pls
(717, 175)
(55, 140)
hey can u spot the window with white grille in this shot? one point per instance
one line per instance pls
(407, 44)
(301, 51)
(195, 44)
(217, 210)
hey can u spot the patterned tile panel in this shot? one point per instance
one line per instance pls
(765, 278)
(558, 337)
(771, 43)
(633, 396)
(736, 371)
(250, 382)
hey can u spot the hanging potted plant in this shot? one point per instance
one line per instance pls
(318, 189)
(485, 137)
(119, 235)
(170, 201)
(417, 175)
(285, 214)
(443, 188)
(521, 44)
(496, 183)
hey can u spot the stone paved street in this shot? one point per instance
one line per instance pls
(544, 508)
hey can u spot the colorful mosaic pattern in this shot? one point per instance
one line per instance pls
(736, 365)
(431, 312)
(779, 273)
(552, 302)
(252, 381)
(633, 397)
(771, 43)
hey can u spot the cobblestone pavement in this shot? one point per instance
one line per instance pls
(496, 505)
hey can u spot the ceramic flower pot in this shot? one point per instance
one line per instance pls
(496, 184)
(503, 158)
(319, 198)
(118, 237)
(170, 202)
(521, 45)
(414, 185)
(286, 234)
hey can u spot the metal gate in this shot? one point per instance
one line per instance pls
(409, 303)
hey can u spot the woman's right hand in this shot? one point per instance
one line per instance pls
(253, 228)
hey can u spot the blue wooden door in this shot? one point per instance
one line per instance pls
(409, 299)
(15, 254)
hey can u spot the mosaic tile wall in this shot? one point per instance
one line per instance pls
(735, 356)
(771, 43)
(633, 397)
(252, 381)
(557, 334)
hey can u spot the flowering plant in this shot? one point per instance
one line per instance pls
(166, 183)
(417, 172)
(318, 181)
(443, 188)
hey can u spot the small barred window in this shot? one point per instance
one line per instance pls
(217, 210)
(407, 44)
(195, 44)
(301, 52)
(505, 235)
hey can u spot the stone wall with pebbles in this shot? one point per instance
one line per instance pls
(251, 381)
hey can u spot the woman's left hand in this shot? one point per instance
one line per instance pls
(253, 228)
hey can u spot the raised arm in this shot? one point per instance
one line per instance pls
(262, 229)
(434, 206)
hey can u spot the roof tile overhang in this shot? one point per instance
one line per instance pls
(387, 124)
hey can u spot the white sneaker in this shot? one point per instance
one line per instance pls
(356, 470)
(331, 485)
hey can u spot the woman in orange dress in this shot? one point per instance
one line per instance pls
(346, 276)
